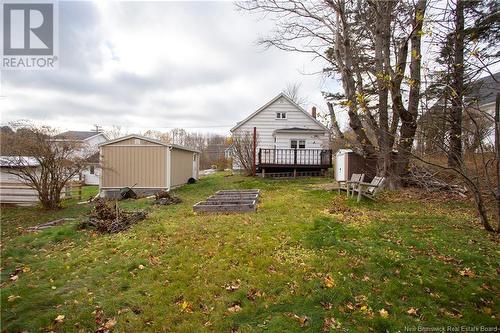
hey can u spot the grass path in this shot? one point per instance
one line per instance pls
(294, 266)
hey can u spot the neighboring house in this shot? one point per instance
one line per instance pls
(145, 164)
(477, 119)
(288, 137)
(13, 189)
(91, 141)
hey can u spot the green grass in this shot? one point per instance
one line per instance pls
(393, 256)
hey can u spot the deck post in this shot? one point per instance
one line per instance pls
(263, 172)
(295, 173)
(254, 150)
(295, 156)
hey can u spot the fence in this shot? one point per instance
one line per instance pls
(17, 193)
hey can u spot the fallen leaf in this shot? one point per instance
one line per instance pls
(14, 277)
(329, 282)
(59, 318)
(141, 266)
(110, 323)
(234, 308)
(232, 286)
(252, 294)
(467, 272)
(12, 298)
(186, 307)
(302, 320)
(331, 323)
(326, 305)
(412, 312)
(383, 313)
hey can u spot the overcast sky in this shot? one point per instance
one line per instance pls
(156, 65)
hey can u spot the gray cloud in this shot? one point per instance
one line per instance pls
(207, 71)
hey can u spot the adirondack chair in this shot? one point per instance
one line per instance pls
(350, 184)
(369, 190)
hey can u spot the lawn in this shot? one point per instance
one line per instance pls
(307, 261)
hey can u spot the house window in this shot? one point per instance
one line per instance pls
(92, 169)
(280, 115)
(300, 144)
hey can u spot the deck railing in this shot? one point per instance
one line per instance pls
(295, 157)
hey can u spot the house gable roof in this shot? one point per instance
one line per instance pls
(280, 95)
(145, 138)
(78, 135)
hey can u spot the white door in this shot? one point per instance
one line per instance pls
(339, 167)
(195, 166)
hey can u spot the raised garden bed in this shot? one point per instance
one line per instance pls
(229, 201)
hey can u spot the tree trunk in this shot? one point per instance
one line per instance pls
(455, 155)
(383, 12)
(497, 157)
(409, 116)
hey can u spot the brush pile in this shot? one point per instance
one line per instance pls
(164, 198)
(432, 181)
(106, 217)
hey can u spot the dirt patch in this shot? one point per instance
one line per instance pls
(164, 198)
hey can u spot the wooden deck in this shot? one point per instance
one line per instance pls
(294, 158)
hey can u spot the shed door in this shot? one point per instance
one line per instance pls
(195, 166)
(339, 167)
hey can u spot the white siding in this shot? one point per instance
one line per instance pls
(313, 141)
(266, 124)
(95, 140)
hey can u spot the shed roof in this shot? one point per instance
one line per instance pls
(145, 138)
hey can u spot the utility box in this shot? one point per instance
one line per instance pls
(348, 162)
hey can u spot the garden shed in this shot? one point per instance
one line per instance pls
(348, 162)
(147, 165)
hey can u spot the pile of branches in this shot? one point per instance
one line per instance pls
(164, 198)
(430, 180)
(107, 217)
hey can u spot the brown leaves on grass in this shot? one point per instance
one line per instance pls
(253, 293)
(331, 323)
(105, 325)
(234, 307)
(302, 320)
(233, 285)
(467, 272)
(412, 312)
(347, 214)
(328, 281)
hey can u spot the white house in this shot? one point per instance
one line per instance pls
(288, 137)
(91, 140)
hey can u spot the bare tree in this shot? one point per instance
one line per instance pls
(115, 132)
(292, 90)
(44, 164)
(243, 153)
(375, 49)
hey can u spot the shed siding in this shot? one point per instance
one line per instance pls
(266, 123)
(182, 166)
(126, 166)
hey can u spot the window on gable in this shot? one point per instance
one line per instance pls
(280, 115)
(300, 144)
(92, 170)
